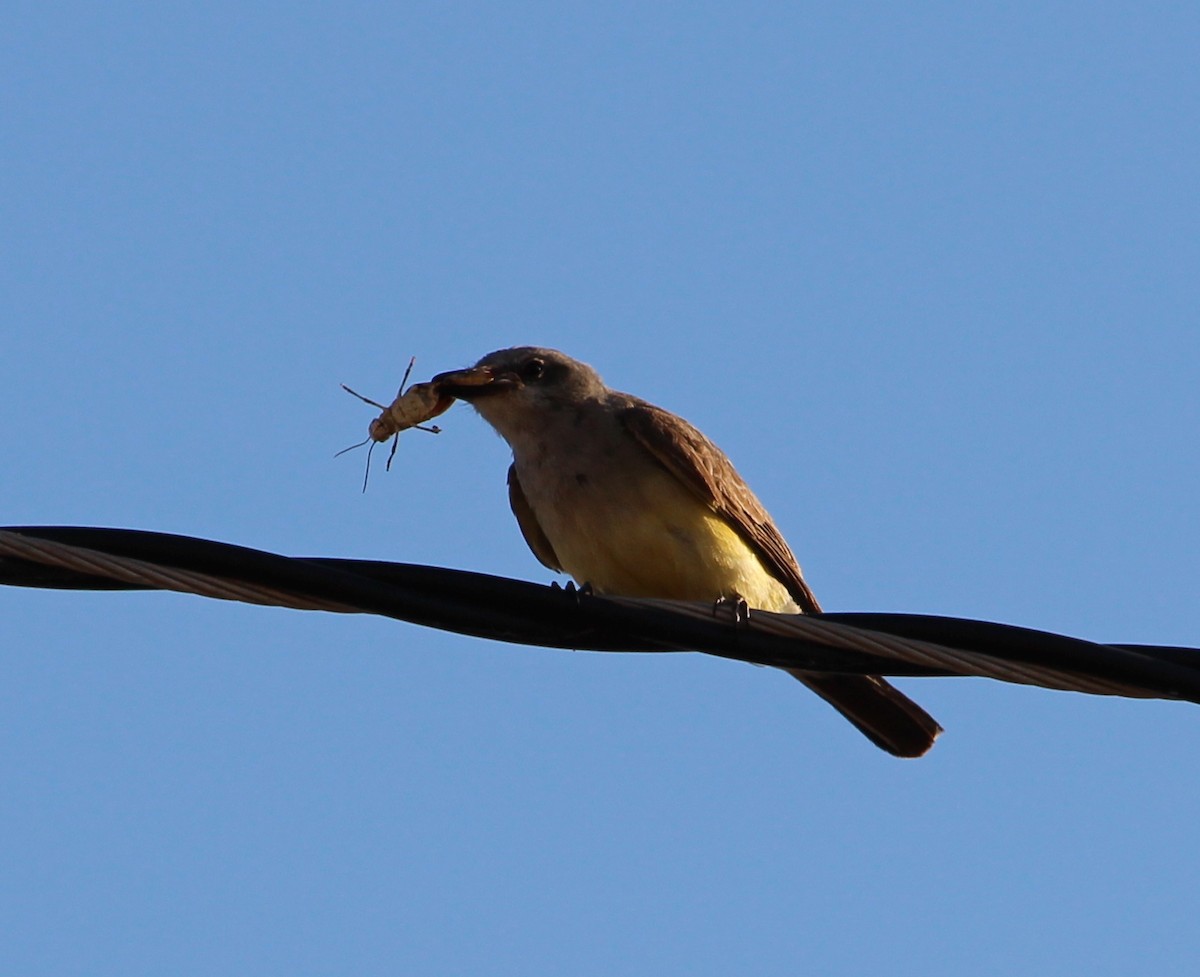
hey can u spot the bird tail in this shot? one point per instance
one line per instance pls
(884, 714)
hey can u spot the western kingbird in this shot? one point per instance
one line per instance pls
(631, 500)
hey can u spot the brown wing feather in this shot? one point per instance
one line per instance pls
(531, 529)
(888, 717)
(702, 466)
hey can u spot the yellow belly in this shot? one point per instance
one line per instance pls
(653, 538)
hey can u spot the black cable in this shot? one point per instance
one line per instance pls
(518, 611)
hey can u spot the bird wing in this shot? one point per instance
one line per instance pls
(531, 529)
(882, 712)
(705, 470)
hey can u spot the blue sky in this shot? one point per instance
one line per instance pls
(928, 273)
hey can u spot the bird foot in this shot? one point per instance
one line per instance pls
(735, 608)
(585, 590)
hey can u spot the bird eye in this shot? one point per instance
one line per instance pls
(533, 369)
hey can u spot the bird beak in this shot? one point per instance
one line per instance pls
(474, 382)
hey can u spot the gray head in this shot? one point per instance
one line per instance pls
(515, 388)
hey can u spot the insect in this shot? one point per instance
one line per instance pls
(411, 408)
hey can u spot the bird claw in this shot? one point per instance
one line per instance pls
(735, 607)
(584, 590)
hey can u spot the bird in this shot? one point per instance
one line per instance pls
(630, 499)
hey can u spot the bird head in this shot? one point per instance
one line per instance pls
(516, 389)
